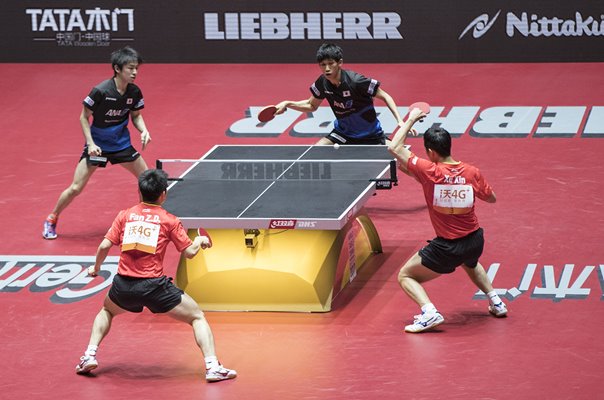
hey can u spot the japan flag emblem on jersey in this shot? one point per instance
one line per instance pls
(346, 93)
(129, 101)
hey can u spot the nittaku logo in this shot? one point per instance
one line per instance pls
(480, 25)
(81, 27)
(65, 277)
(302, 25)
(537, 26)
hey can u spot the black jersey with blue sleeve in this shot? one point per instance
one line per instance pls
(110, 113)
(352, 104)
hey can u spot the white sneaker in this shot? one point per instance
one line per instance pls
(499, 310)
(87, 364)
(220, 373)
(50, 230)
(425, 321)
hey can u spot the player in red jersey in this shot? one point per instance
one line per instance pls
(143, 232)
(450, 188)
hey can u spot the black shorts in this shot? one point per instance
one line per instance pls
(159, 295)
(444, 255)
(339, 138)
(129, 154)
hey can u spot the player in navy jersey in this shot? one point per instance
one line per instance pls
(107, 139)
(350, 96)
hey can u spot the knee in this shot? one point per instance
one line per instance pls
(402, 275)
(198, 316)
(75, 189)
(105, 312)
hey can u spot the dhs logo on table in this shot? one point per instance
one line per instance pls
(282, 224)
(291, 224)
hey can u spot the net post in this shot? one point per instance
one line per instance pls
(159, 165)
(393, 176)
(387, 183)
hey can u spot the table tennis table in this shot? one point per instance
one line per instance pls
(287, 222)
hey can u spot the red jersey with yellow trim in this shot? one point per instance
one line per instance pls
(450, 190)
(143, 232)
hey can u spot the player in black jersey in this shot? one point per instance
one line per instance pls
(350, 96)
(110, 104)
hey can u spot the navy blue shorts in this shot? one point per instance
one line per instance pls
(128, 154)
(444, 255)
(159, 295)
(339, 138)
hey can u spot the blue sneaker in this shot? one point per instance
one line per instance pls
(50, 229)
(425, 321)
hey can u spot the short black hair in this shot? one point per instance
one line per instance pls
(124, 56)
(439, 140)
(152, 183)
(329, 51)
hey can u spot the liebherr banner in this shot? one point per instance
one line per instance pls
(269, 31)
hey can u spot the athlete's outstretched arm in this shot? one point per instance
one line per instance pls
(397, 145)
(309, 105)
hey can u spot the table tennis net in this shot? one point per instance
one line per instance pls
(271, 170)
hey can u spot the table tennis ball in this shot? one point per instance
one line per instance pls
(336, 146)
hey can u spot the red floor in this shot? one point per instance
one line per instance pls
(546, 222)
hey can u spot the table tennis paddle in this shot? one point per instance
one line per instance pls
(203, 232)
(422, 105)
(267, 113)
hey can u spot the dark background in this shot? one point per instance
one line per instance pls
(173, 32)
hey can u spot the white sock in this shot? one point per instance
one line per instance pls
(428, 308)
(211, 362)
(493, 297)
(91, 350)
